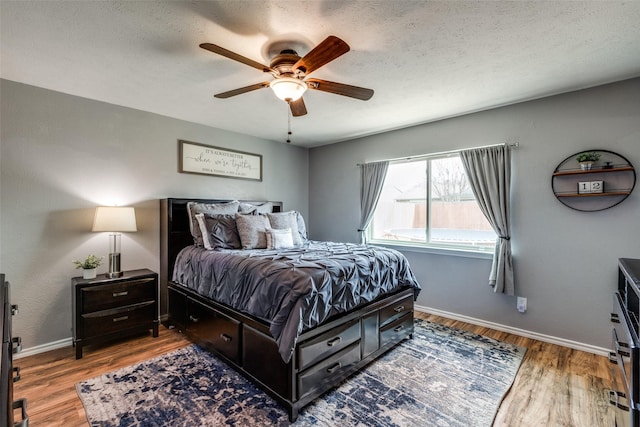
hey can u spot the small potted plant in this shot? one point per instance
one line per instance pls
(89, 266)
(587, 159)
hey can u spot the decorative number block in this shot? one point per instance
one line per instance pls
(584, 187)
(597, 186)
(588, 187)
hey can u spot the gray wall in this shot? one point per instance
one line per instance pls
(565, 260)
(63, 155)
(60, 156)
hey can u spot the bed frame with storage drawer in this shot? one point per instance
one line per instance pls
(323, 357)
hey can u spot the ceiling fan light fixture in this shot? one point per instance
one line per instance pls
(288, 89)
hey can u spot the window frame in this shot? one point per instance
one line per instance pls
(428, 246)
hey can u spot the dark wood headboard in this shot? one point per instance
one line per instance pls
(176, 235)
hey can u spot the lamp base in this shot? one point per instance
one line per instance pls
(114, 266)
(114, 274)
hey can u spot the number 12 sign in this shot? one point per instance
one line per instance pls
(589, 187)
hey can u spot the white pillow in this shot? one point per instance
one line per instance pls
(279, 239)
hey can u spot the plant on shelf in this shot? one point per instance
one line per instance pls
(90, 262)
(587, 159)
(89, 266)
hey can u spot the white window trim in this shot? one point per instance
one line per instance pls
(435, 250)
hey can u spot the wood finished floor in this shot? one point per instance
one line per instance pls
(555, 386)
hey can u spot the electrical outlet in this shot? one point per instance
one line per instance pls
(521, 304)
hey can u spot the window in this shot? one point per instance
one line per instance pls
(429, 202)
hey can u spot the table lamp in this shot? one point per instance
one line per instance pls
(114, 219)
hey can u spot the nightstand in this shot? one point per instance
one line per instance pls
(105, 309)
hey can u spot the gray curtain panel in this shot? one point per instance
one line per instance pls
(372, 178)
(489, 173)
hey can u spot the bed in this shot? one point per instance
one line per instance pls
(295, 319)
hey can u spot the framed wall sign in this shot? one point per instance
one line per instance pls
(209, 160)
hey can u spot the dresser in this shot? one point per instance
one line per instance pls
(109, 308)
(9, 373)
(625, 353)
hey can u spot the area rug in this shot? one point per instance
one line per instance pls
(442, 377)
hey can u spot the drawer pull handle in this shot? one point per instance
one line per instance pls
(16, 371)
(334, 368)
(121, 294)
(615, 318)
(622, 344)
(613, 357)
(194, 319)
(16, 343)
(22, 405)
(398, 328)
(614, 399)
(120, 319)
(399, 308)
(334, 341)
(225, 337)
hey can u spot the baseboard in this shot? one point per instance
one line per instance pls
(497, 326)
(516, 331)
(44, 348)
(56, 345)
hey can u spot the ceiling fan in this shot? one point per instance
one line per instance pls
(290, 73)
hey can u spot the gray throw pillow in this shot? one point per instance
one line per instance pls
(219, 231)
(302, 227)
(282, 220)
(251, 229)
(249, 208)
(194, 208)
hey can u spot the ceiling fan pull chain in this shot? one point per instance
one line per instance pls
(288, 123)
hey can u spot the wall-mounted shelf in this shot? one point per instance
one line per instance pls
(612, 177)
(608, 193)
(591, 171)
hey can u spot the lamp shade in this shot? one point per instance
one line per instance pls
(288, 88)
(114, 218)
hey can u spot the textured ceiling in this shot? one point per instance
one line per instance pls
(425, 60)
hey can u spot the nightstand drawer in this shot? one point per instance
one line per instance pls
(103, 297)
(107, 321)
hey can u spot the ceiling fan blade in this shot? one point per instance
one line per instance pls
(331, 48)
(241, 90)
(236, 57)
(298, 108)
(340, 89)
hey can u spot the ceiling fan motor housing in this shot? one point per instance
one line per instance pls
(283, 62)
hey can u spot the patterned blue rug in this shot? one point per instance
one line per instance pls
(442, 377)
